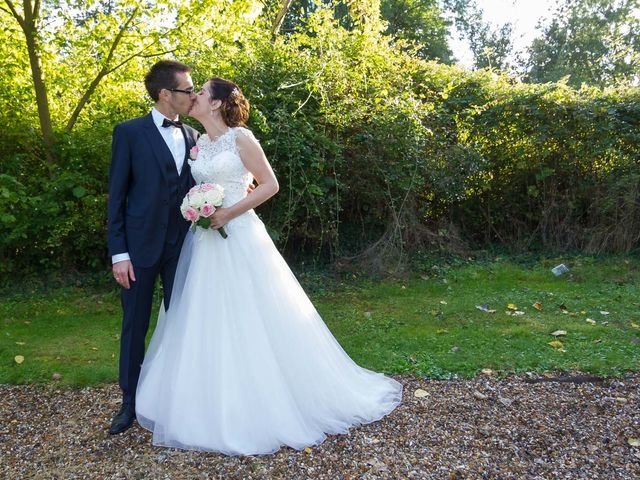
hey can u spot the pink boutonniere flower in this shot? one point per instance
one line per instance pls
(193, 153)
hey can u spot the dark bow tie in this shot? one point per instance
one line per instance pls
(170, 123)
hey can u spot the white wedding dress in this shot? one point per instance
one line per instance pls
(242, 363)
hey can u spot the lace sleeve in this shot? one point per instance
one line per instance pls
(246, 133)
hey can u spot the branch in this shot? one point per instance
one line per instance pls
(139, 54)
(15, 13)
(36, 10)
(277, 23)
(116, 40)
(101, 74)
(105, 70)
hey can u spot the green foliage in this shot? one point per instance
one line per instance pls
(596, 42)
(421, 22)
(559, 167)
(378, 152)
(490, 45)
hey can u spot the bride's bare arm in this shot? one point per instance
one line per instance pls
(256, 162)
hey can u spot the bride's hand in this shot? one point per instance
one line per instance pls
(220, 218)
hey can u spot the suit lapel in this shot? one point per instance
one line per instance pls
(159, 147)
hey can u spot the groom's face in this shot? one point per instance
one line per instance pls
(180, 101)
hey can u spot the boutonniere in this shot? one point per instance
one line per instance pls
(193, 153)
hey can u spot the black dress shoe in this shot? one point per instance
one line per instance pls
(123, 419)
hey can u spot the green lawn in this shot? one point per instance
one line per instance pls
(425, 325)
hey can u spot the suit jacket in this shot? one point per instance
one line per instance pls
(144, 193)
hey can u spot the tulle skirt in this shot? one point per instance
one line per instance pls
(242, 363)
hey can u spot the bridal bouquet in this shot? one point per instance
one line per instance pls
(200, 203)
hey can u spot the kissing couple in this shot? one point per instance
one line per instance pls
(240, 361)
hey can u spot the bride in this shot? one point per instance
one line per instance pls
(242, 363)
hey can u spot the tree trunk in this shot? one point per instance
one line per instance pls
(42, 100)
(277, 23)
(29, 24)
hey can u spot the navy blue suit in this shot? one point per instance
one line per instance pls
(145, 193)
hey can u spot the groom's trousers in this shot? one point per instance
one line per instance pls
(137, 302)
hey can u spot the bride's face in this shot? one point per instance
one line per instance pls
(203, 105)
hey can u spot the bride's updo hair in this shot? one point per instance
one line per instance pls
(235, 107)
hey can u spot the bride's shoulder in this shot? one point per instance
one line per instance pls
(244, 136)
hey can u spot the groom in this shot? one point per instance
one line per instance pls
(148, 178)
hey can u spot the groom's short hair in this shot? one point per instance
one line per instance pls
(163, 75)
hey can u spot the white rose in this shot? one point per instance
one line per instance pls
(214, 197)
(196, 200)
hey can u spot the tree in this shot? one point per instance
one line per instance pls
(73, 45)
(420, 22)
(490, 45)
(596, 42)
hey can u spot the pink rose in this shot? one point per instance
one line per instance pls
(207, 210)
(205, 187)
(191, 214)
(193, 153)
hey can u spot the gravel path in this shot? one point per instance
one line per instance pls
(481, 428)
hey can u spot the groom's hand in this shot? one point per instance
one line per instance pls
(123, 272)
(251, 188)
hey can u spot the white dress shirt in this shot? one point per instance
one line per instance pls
(174, 138)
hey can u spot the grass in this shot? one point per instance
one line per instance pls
(424, 325)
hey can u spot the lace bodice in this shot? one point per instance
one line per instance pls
(219, 162)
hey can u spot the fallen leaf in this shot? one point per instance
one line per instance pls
(559, 333)
(419, 393)
(597, 340)
(556, 344)
(634, 325)
(20, 343)
(442, 331)
(56, 376)
(307, 450)
(455, 349)
(512, 306)
(413, 359)
(443, 302)
(367, 315)
(590, 321)
(621, 400)
(602, 312)
(505, 401)
(487, 371)
(537, 306)
(18, 359)
(634, 442)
